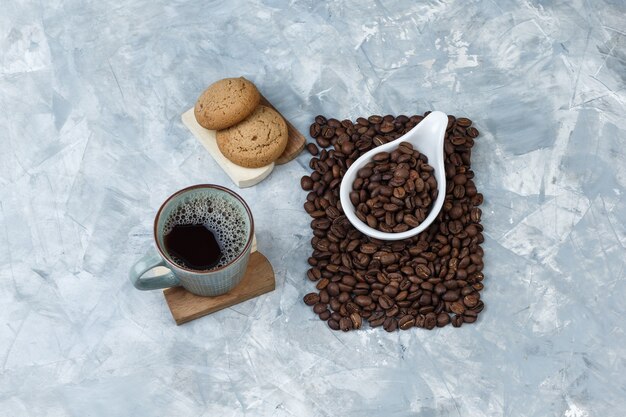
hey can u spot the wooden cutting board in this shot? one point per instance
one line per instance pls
(259, 279)
(244, 177)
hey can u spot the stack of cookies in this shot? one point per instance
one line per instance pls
(248, 134)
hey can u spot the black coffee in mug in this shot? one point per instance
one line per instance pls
(193, 245)
(204, 233)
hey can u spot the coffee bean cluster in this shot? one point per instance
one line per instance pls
(394, 192)
(431, 280)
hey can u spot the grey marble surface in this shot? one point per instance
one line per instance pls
(91, 94)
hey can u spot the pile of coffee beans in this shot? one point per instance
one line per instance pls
(394, 192)
(427, 281)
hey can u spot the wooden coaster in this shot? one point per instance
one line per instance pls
(259, 279)
(244, 177)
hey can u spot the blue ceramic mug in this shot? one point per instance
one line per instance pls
(205, 201)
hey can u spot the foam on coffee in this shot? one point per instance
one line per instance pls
(217, 214)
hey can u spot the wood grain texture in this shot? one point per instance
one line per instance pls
(259, 279)
(296, 140)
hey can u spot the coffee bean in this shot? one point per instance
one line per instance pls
(406, 322)
(386, 127)
(333, 324)
(368, 248)
(314, 274)
(425, 299)
(411, 220)
(451, 295)
(386, 258)
(422, 271)
(363, 300)
(390, 324)
(319, 307)
(344, 295)
(352, 307)
(345, 324)
(393, 311)
(402, 295)
(333, 289)
(470, 300)
(328, 132)
(475, 215)
(472, 132)
(317, 213)
(455, 212)
(385, 302)
(463, 122)
(371, 221)
(322, 142)
(306, 183)
(356, 320)
(378, 321)
(315, 130)
(469, 313)
(321, 120)
(334, 123)
(309, 207)
(469, 319)
(457, 308)
(322, 283)
(322, 223)
(430, 321)
(311, 299)
(458, 140)
(442, 319)
(375, 119)
(312, 148)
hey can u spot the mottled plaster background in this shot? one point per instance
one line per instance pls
(91, 94)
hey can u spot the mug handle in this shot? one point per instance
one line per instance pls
(151, 260)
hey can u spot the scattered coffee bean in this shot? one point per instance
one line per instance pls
(427, 281)
(470, 300)
(385, 302)
(324, 315)
(363, 300)
(442, 319)
(306, 183)
(345, 324)
(319, 307)
(322, 283)
(430, 321)
(457, 308)
(406, 322)
(311, 299)
(356, 320)
(390, 324)
(312, 149)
